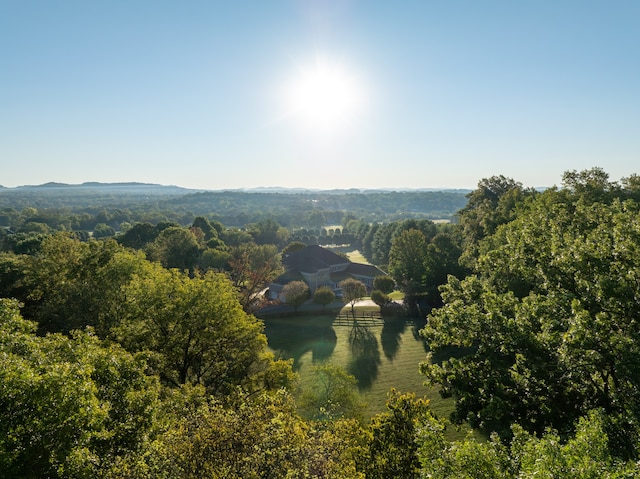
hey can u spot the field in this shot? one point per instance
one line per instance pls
(381, 356)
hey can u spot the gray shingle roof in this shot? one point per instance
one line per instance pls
(313, 258)
(365, 270)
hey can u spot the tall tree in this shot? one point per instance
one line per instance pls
(493, 203)
(252, 268)
(270, 232)
(407, 261)
(61, 281)
(71, 406)
(296, 293)
(352, 291)
(198, 328)
(550, 323)
(442, 259)
(175, 247)
(393, 449)
(138, 236)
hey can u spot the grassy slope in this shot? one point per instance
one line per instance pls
(399, 371)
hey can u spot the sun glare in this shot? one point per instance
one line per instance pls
(325, 96)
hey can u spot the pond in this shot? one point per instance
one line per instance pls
(380, 354)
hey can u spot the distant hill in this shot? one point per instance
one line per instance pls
(133, 186)
(130, 187)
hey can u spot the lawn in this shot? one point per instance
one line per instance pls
(356, 256)
(381, 356)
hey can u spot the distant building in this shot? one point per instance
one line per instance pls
(318, 266)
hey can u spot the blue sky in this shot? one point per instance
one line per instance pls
(198, 93)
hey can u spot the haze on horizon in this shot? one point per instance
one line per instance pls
(317, 94)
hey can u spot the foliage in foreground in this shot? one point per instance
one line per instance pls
(79, 407)
(548, 325)
(69, 406)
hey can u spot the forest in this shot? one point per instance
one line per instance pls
(82, 207)
(131, 344)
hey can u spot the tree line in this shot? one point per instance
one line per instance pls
(114, 208)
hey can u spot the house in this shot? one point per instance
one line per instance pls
(318, 266)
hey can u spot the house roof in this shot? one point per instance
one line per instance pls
(365, 270)
(287, 277)
(339, 276)
(313, 258)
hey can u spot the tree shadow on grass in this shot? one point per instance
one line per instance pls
(391, 337)
(417, 326)
(294, 340)
(365, 354)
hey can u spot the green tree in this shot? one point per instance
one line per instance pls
(393, 450)
(407, 261)
(442, 259)
(197, 329)
(367, 240)
(352, 292)
(257, 436)
(494, 202)
(234, 237)
(316, 219)
(175, 247)
(71, 406)
(385, 235)
(34, 227)
(592, 184)
(323, 296)
(102, 230)
(252, 268)
(385, 284)
(60, 282)
(296, 293)
(468, 459)
(293, 247)
(380, 298)
(547, 323)
(332, 394)
(583, 455)
(138, 236)
(269, 232)
(216, 259)
(210, 230)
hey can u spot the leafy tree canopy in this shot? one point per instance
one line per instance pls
(352, 291)
(324, 295)
(296, 293)
(550, 325)
(71, 406)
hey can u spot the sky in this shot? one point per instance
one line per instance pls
(317, 94)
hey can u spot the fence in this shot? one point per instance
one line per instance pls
(360, 316)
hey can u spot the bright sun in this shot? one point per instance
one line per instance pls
(325, 96)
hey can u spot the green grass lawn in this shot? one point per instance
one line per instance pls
(392, 361)
(356, 256)
(381, 357)
(397, 295)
